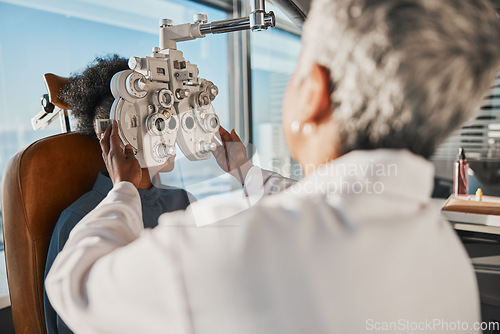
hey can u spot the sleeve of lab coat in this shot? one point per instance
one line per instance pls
(260, 182)
(90, 304)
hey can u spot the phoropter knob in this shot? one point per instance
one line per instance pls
(164, 151)
(210, 89)
(203, 99)
(135, 63)
(181, 93)
(204, 147)
(136, 85)
(166, 23)
(200, 18)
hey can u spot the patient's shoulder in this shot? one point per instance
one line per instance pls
(86, 203)
(173, 198)
(173, 191)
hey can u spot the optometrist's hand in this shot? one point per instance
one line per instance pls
(120, 163)
(231, 154)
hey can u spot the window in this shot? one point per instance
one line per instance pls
(63, 37)
(274, 55)
(479, 137)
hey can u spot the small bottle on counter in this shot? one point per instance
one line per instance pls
(479, 194)
(461, 174)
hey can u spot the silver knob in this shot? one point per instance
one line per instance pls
(210, 89)
(135, 63)
(164, 151)
(181, 93)
(166, 23)
(203, 99)
(200, 18)
(140, 85)
(257, 20)
(205, 147)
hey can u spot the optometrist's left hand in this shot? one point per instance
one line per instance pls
(120, 163)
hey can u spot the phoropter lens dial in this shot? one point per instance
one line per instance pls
(211, 123)
(136, 85)
(188, 122)
(165, 98)
(159, 124)
(208, 121)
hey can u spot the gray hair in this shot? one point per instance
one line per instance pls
(404, 73)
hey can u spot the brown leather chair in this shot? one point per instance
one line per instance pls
(38, 184)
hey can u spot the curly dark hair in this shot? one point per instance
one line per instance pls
(89, 95)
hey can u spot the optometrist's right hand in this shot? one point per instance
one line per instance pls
(231, 154)
(120, 163)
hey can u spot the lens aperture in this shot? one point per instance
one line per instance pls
(160, 124)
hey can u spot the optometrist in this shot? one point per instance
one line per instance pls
(379, 84)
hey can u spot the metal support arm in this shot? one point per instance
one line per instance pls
(242, 23)
(257, 20)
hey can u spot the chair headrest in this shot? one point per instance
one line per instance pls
(54, 85)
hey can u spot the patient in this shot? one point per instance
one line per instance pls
(89, 96)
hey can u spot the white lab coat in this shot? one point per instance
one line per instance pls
(323, 256)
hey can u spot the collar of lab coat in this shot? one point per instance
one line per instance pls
(371, 173)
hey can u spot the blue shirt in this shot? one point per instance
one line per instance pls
(155, 201)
